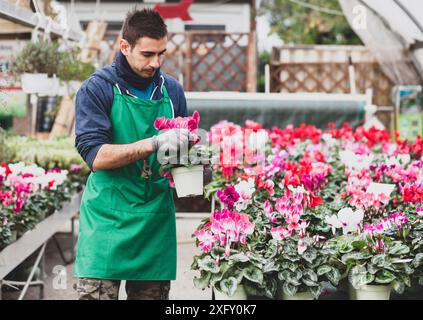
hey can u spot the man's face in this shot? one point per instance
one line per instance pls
(146, 56)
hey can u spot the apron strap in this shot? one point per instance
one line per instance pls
(163, 90)
(166, 95)
(124, 90)
(117, 86)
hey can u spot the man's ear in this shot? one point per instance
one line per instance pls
(125, 47)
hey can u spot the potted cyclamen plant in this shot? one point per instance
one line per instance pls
(187, 174)
(376, 259)
(226, 263)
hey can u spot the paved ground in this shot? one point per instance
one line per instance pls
(181, 289)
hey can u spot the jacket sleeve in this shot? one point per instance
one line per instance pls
(182, 102)
(93, 126)
(177, 95)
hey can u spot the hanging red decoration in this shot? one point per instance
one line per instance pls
(175, 10)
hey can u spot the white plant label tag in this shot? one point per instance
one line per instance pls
(377, 188)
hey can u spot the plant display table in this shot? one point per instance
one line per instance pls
(17, 252)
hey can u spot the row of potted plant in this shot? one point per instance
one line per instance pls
(29, 194)
(311, 210)
(36, 178)
(43, 65)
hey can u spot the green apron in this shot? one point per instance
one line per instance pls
(127, 227)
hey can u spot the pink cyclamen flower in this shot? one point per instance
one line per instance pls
(206, 239)
(301, 247)
(280, 233)
(75, 167)
(168, 175)
(268, 210)
(293, 222)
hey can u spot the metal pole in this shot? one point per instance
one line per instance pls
(31, 275)
(267, 78)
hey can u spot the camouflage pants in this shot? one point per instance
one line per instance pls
(103, 289)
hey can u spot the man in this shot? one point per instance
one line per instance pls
(127, 217)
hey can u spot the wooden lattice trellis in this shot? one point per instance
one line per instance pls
(212, 61)
(317, 69)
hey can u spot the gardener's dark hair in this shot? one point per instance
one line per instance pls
(143, 23)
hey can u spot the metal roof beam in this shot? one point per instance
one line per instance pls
(28, 18)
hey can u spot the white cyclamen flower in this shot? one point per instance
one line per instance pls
(347, 219)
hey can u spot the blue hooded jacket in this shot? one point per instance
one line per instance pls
(94, 102)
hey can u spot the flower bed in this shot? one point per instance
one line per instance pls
(308, 208)
(29, 193)
(38, 177)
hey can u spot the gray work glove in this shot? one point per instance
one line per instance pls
(172, 140)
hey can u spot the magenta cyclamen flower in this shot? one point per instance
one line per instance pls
(230, 227)
(190, 123)
(229, 196)
(206, 239)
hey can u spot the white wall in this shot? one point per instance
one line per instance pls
(236, 17)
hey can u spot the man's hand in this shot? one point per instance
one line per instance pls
(172, 141)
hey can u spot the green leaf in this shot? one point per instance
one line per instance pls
(334, 276)
(379, 260)
(283, 275)
(316, 291)
(351, 257)
(292, 266)
(369, 278)
(271, 286)
(254, 274)
(372, 269)
(203, 281)
(345, 248)
(418, 260)
(398, 249)
(239, 257)
(398, 286)
(229, 286)
(256, 257)
(359, 244)
(309, 278)
(323, 269)
(293, 279)
(310, 255)
(384, 277)
(208, 264)
(289, 289)
(357, 276)
(270, 266)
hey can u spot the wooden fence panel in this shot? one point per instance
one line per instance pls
(325, 69)
(211, 61)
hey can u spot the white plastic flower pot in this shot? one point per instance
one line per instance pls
(239, 294)
(188, 181)
(298, 296)
(372, 292)
(50, 87)
(33, 82)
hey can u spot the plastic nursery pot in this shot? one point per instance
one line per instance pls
(188, 181)
(239, 294)
(372, 292)
(34, 82)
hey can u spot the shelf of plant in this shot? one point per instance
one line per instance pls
(28, 18)
(18, 251)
